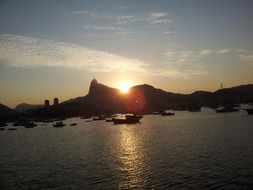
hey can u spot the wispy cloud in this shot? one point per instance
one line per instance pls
(168, 32)
(188, 62)
(246, 56)
(205, 52)
(175, 56)
(240, 50)
(82, 12)
(103, 28)
(222, 51)
(178, 73)
(158, 14)
(161, 21)
(151, 18)
(182, 63)
(20, 51)
(93, 14)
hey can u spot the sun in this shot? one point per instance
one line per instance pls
(124, 87)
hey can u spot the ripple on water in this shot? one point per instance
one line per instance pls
(182, 152)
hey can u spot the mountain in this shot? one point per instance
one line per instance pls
(146, 98)
(25, 107)
(7, 113)
(100, 98)
(5, 109)
(157, 99)
(104, 98)
(143, 99)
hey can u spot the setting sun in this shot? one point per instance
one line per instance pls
(124, 87)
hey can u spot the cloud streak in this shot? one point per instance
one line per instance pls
(150, 18)
(205, 52)
(104, 28)
(93, 14)
(189, 62)
(246, 56)
(223, 51)
(20, 51)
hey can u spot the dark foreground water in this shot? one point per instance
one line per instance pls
(187, 151)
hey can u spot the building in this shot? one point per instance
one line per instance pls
(56, 101)
(47, 103)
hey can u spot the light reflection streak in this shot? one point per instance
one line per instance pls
(131, 158)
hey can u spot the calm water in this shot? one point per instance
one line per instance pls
(187, 151)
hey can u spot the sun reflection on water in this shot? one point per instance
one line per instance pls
(131, 159)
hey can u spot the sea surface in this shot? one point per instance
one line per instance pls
(202, 150)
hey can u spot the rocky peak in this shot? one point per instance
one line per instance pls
(93, 86)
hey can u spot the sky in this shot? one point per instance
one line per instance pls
(54, 48)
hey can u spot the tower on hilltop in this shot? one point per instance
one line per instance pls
(94, 81)
(56, 101)
(46, 103)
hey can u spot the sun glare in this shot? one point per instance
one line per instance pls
(124, 87)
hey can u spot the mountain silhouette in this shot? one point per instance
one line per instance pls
(7, 113)
(25, 107)
(147, 99)
(141, 99)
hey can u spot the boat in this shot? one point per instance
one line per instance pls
(109, 120)
(59, 124)
(129, 119)
(48, 121)
(3, 124)
(12, 129)
(227, 109)
(167, 113)
(250, 111)
(29, 124)
(73, 124)
(16, 124)
(134, 116)
(98, 118)
(25, 123)
(125, 120)
(164, 113)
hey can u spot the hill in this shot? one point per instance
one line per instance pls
(143, 99)
(25, 107)
(7, 113)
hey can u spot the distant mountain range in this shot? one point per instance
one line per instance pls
(7, 113)
(25, 107)
(143, 99)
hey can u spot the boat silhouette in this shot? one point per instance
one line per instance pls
(98, 118)
(59, 124)
(226, 109)
(166, 113)
(129, 119)
(29, 124)
(249, 111)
